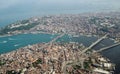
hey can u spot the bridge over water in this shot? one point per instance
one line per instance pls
(108, 47)
(94, 44)
(49, 43)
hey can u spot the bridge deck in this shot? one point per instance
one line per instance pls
(94, 44)
(108, 47)
(49, 43)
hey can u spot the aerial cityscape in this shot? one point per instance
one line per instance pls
(65, 42)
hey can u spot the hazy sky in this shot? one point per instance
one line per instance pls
(9, 3)
(11, 10)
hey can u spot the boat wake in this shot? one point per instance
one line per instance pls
(16, 45)
(3, 42)
(11, 39)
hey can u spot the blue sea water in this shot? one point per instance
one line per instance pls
(10, 43)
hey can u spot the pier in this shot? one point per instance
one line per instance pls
(94, 44)
(108, 47)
